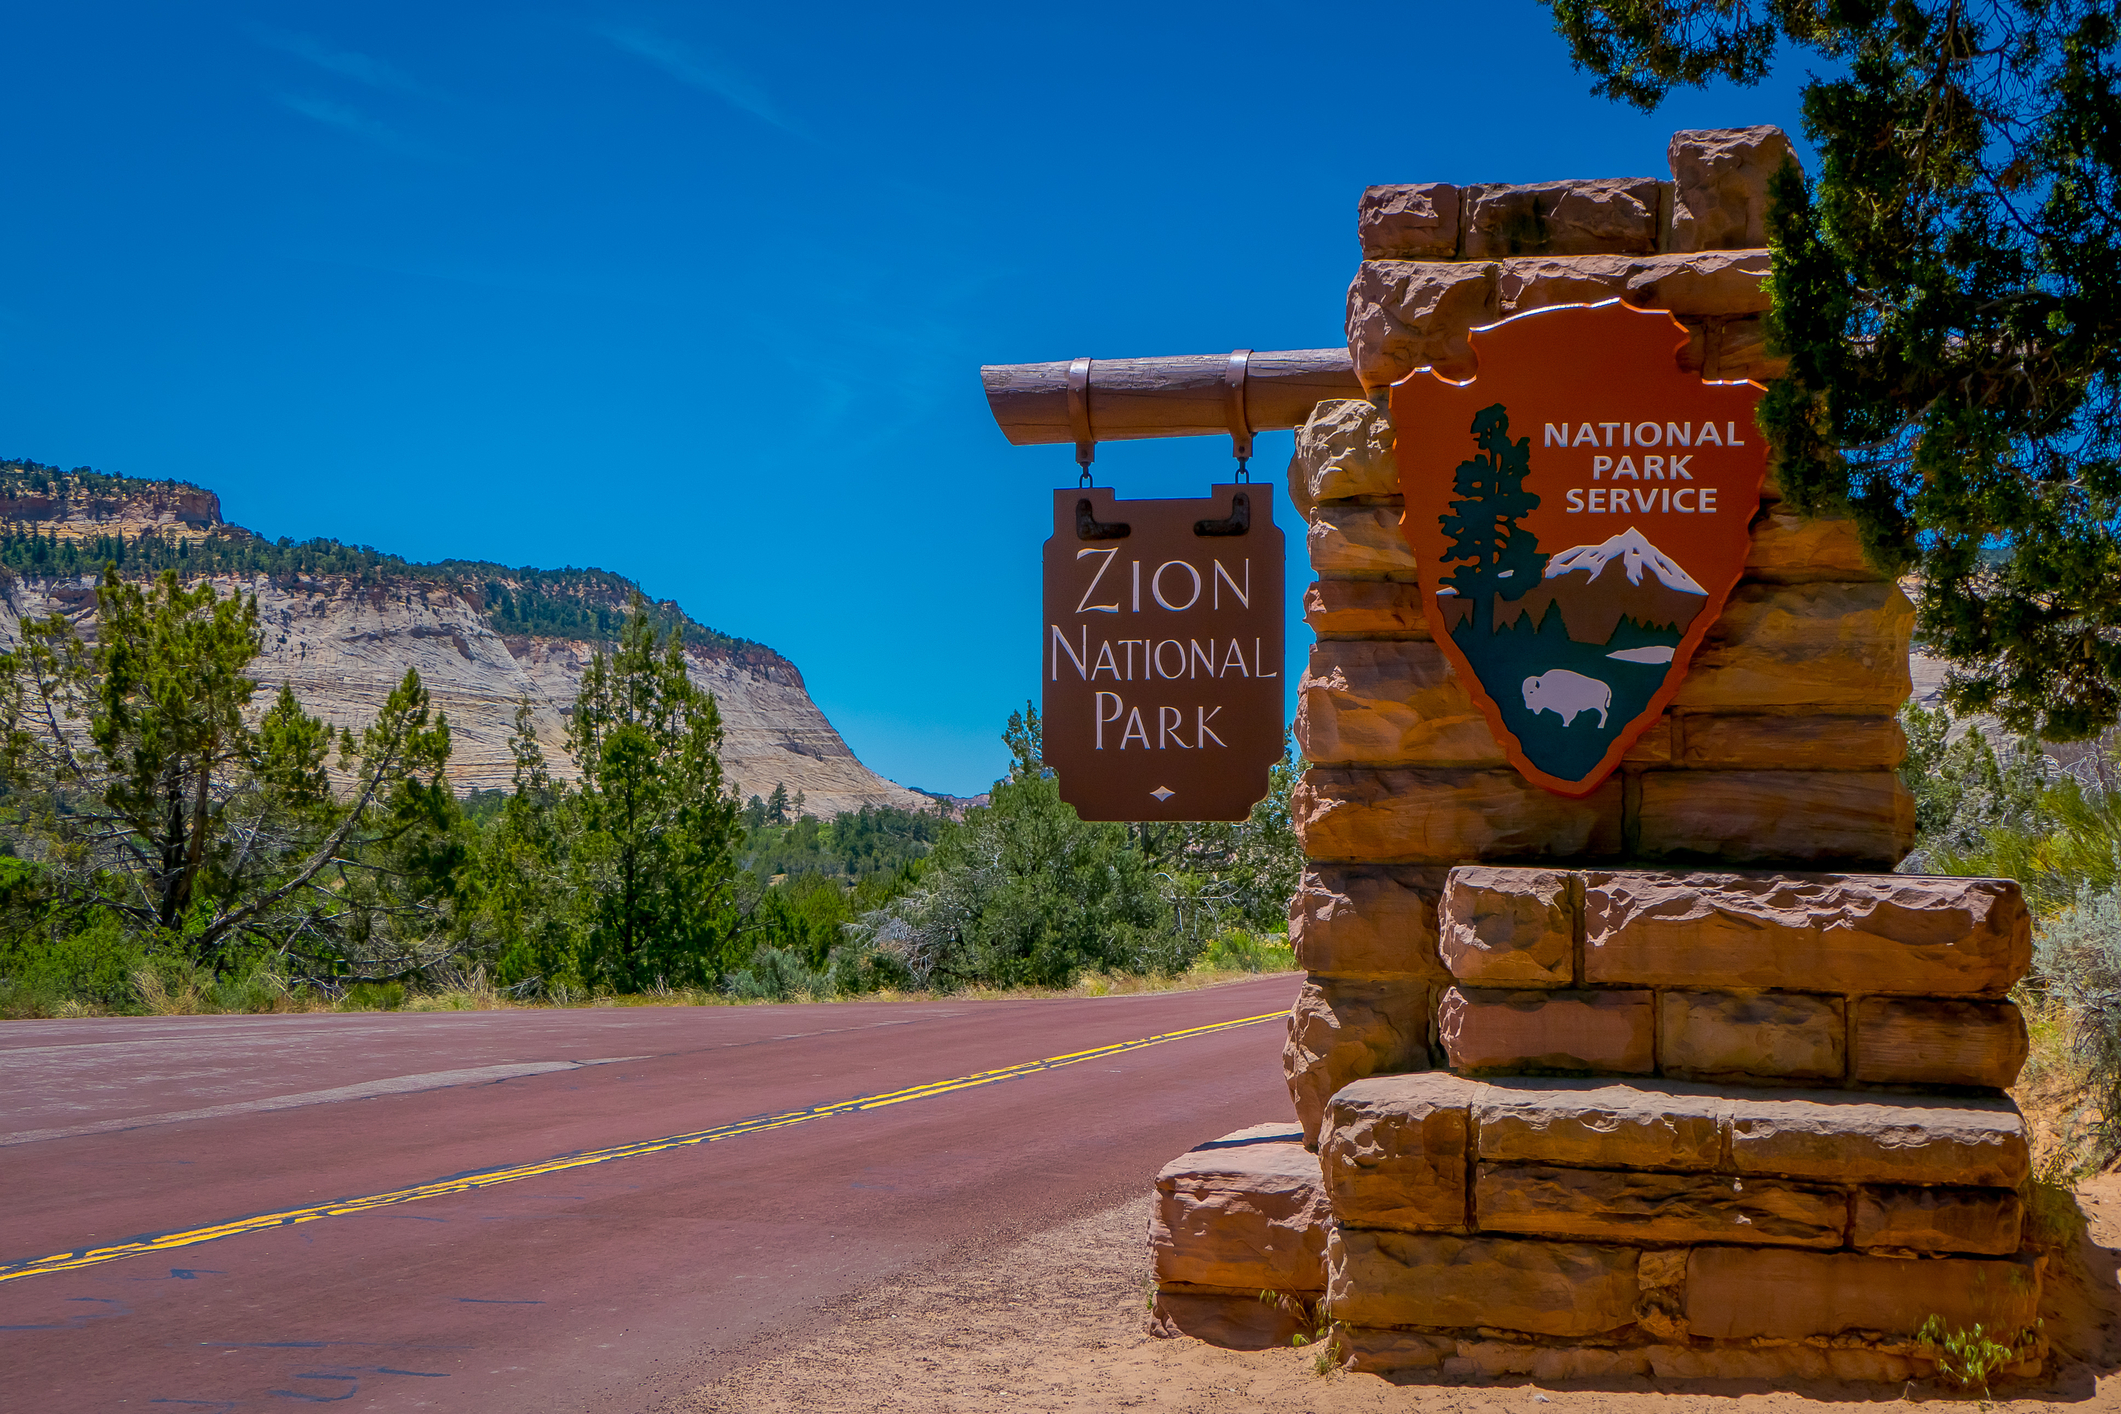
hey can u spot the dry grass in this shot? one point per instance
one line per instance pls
(195, 994)
(1095, 984)
(2054, 1090)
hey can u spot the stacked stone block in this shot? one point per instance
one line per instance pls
(1558, 1227)
(1731, 1124)
(1782, 743)
(1627, 1084)
(1237, 1218)
(1718, 1210)
(1881, 980)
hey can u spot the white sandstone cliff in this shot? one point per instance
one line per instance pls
(344, 645)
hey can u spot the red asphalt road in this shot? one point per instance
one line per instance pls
(613, 1287)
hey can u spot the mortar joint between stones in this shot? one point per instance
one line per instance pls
(1849, 1007)
(1578, 927)
(1657, 1031)
(1472, 1160)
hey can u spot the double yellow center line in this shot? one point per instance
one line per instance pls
(488, 1178)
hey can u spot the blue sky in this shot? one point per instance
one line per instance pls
(699, 293)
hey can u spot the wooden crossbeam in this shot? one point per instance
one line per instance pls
(1184, 395)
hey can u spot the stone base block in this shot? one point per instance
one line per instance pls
(1348, 540)
(1445, 817)
(1364, 606)
(1610, 1031)
(1807, 818)
(1398, 1352)
(1812, 647)
(1752, 977)
(1499, 927)
(1593, 1205)
(1586, 1229)
(1342, 1029)
(1789, 549)
(1737, 1293)
(1801, 741)
(1246, 1211)
(1376, 920)
(1909, 934)
(1988, 1221)
(1472, 1305)
(1838, 1138)
(1443, 1279)
(1343, 450)
(1598, 1124)
(1769, 1034)
(1389, 702)
(1932, 1041)
(1234, 1320)
(1394, 1155)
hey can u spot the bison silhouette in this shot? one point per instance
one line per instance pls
(1565, 694)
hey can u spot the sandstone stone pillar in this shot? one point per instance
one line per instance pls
(1659, 1081)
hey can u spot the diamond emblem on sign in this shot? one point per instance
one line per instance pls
(1163, 792)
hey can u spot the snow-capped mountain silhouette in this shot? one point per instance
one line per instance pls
(1636, 554)
(1599, 585)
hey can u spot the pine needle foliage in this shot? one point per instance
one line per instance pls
(660, 828)
(139, 795)
(1948, 293)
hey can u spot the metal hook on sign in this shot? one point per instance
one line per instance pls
(1079, 416)
(1234, 410)
(1239, 521)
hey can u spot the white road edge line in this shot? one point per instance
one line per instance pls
(366, 1090)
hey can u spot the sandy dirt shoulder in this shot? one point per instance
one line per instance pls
(1058, 1321)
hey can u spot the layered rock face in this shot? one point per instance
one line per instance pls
(1789, 1147)
(1731, 1124)
(343, 646)
(144, 506)
(1644, 1083)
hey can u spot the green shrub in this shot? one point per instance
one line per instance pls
(1968, 1358)
(255, 989)
(1238, 951)
(373, 996)
(775, 975)
(94, 966)
(2077, 964)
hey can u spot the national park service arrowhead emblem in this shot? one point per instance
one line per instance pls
(1579, 511)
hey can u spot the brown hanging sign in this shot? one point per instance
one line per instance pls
(1579, 512)
(1162, 653)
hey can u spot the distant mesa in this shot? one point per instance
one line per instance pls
(343, 622)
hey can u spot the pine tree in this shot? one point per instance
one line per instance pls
(198, 832)
(522, 886)
(777, 805)
(170, 699)
(656, 857)
(1493, 553)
